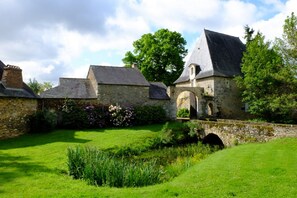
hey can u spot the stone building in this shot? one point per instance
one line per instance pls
(17, 101)
(208, 78)
(206, 86)
(112, 85)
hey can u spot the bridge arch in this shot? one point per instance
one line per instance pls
(213, 140)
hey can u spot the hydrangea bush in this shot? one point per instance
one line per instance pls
(121, 116)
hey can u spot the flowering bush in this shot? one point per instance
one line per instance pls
(121, 116)
(75, 115)
(97, 116)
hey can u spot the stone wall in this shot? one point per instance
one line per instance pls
(233, 132)
(227, 99)
(123, 95)
(14, 114)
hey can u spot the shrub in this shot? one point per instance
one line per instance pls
(120, 116)
(43, 121)
(97, 116)
(174, 134)
(183, 113)
(149, 115)
(73, 116)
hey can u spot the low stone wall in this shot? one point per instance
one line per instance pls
(233, 132)
(14, 114)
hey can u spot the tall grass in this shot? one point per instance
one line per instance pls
(107, 168)
(104, 169)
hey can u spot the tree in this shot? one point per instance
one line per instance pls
(39, 87)
(159, 56)
(287, 45)
(34, 85)
(248, 33)
(267, 82)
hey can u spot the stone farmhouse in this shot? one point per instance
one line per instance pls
(112, 85)
(207, 86)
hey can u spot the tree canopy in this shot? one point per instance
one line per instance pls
(269, 83)
(159, 56)
(39, 87)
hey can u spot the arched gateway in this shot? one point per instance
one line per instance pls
(198, 104)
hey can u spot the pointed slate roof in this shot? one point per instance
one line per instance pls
(118, 76)
(71, 88)
(216, 54)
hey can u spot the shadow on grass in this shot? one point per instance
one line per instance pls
(28, 140)
(13, 167)
(61, 135)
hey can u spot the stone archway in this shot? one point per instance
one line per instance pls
(197, 92)
(188, 100)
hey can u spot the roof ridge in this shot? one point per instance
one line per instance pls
(74, 78)
(109, 66)
(223, 34)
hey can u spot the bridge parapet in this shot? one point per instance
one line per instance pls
(233, 133)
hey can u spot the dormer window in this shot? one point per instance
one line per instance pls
(194, 70)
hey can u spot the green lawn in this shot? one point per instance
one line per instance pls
(35, 166)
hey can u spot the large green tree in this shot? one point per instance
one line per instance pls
(159, 56)
(269, 81)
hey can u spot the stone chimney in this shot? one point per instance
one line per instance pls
(12, 77)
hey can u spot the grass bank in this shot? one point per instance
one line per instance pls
(35, 166)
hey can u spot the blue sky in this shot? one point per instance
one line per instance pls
(49, 39)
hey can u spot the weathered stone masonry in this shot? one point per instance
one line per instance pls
(14, 113)
(123, 94)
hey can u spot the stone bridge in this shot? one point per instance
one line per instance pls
(231, 132)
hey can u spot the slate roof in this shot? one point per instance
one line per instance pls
(25, 92)
(71, 88)
(118, 76)
(219, 56)
(82, 88)
(158, 91)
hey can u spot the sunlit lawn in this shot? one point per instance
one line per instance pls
(35, 166)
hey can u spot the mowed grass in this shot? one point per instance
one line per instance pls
(36, 166)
